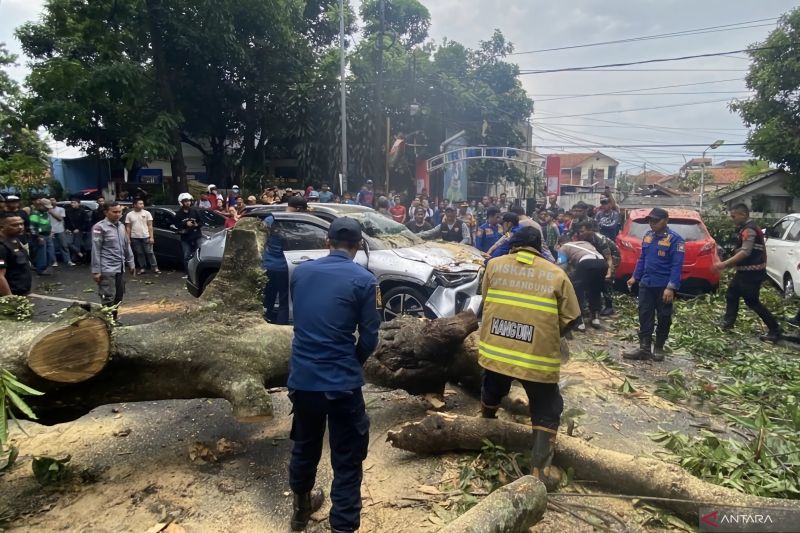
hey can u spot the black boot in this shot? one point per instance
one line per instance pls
(772, 336)
(642, 353)
(303, 505)
(488, 411)
(658, 349)
(544, 446)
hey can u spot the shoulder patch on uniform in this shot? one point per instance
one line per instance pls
(648, 239)
(681, 246)
(378, 297)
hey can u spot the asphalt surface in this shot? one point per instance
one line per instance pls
(148, 297)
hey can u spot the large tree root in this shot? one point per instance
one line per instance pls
(620, 472)
(513, 508)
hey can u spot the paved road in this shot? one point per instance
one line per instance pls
(148, 297)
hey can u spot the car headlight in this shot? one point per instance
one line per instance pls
(454, 279)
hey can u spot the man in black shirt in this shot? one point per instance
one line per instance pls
(12, 207)
(188, 222)
(15, 266)
(419, 224)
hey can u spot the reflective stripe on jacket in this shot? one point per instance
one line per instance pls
(527, 302)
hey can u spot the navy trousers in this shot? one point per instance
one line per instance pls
(651, 303)
(348, 434)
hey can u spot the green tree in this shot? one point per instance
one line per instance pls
(773, 112)
(23, 154)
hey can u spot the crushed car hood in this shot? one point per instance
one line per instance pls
(445, 256)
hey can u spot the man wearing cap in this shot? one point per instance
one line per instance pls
(325, 375)
(188, 223)
(607, 219)
(658, 272)
(365, 196)
(15, 266)
(214, 195)
(233, 194)
(450, 230)
(750, 263)
(12, 207)
(111, 254)
(529, 304)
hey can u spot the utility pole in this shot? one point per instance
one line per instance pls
(343, 180)
(378, 113)
(712, 146)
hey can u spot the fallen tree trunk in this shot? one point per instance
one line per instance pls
(80, 363)
(620, 472)
(513, 508)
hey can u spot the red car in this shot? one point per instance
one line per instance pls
(701, 249)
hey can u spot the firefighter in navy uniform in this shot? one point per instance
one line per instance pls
(325, 375)
(750, 262)
(529, 304)
(658, 272)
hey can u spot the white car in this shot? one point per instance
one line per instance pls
(783, 254)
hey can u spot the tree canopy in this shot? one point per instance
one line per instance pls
(23, 154)
(773, 112)
(246, 81)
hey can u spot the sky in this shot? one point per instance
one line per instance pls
(562, 122)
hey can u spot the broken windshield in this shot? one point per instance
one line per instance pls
(385, 231)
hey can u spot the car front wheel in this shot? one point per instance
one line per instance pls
(403, 300)
(788, 287)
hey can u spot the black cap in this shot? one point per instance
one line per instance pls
(581, 205)
(603, 200)
(658, 214)
(345, 229)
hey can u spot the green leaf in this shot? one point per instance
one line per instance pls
(21, 388)
(20, 404)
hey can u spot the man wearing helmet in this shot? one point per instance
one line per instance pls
(188, 223)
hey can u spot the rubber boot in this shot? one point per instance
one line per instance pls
(544, 447)
(642, 353)
(488, 411)
(303, 506)
(658, 349)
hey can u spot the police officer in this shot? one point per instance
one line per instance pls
(658, 272)
(325, 375)
(529, 304)
(450, 230)
(111, 253)
(15, 265)
(750, 262)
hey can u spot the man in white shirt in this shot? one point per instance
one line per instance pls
(139, 224)
(56, 215)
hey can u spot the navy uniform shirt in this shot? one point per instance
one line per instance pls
(332, 297)
(661, 261)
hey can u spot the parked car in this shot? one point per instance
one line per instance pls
(783, 254)
(701, 249)
(416, 277)
(167, 246)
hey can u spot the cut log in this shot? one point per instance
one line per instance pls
(513, 508)
(70, 351)
(620, 472)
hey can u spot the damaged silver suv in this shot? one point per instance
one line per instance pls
(418, 278)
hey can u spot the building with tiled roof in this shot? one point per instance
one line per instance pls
(588, 169)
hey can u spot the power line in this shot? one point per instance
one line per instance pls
(673, 86)
(656, 60)
(588, 69)
(638, 109)
(683, 93)
(683, 33)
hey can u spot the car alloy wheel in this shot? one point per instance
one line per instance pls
(788, 288)
(402, 301)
